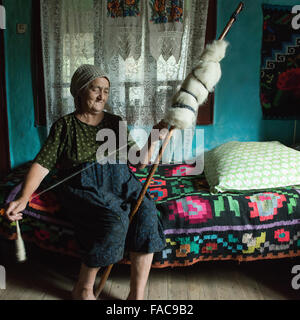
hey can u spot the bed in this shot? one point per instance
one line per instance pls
(199, 225)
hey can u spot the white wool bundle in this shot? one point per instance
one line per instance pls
(20, 247)
(196, 87)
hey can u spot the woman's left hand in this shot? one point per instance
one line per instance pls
(163, 129)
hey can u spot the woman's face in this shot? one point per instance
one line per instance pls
(95, 96)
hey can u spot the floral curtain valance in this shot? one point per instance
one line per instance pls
(162, 22)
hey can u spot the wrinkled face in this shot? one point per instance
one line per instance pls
(95, 96)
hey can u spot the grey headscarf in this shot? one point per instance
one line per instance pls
(83, 76)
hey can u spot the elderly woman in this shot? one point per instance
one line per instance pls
(99, 198)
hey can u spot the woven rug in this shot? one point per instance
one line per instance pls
(280, 64)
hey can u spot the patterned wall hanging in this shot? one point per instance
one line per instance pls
(165, 26)
(123, 8)
(166, 11)
(280, 64)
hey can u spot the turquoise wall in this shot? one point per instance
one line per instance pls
(238, 114)
(23, 135)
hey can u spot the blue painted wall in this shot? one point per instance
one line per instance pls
(23, 135)
(238, 114)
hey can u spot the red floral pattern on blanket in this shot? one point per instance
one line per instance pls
(265, 205)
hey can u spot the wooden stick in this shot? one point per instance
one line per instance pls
(138, 203)
(231, 21)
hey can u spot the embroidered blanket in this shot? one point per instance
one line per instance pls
(198, 226)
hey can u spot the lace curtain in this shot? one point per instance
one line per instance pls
(146, 47)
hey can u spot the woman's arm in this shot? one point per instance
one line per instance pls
(32, 181)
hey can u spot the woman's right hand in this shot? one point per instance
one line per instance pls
(33, 179)
(15, 208)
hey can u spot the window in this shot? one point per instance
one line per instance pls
(167, 72)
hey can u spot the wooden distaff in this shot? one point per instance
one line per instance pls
(161, 151)
(231, 21)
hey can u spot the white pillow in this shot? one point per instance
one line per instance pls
(236, 166)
